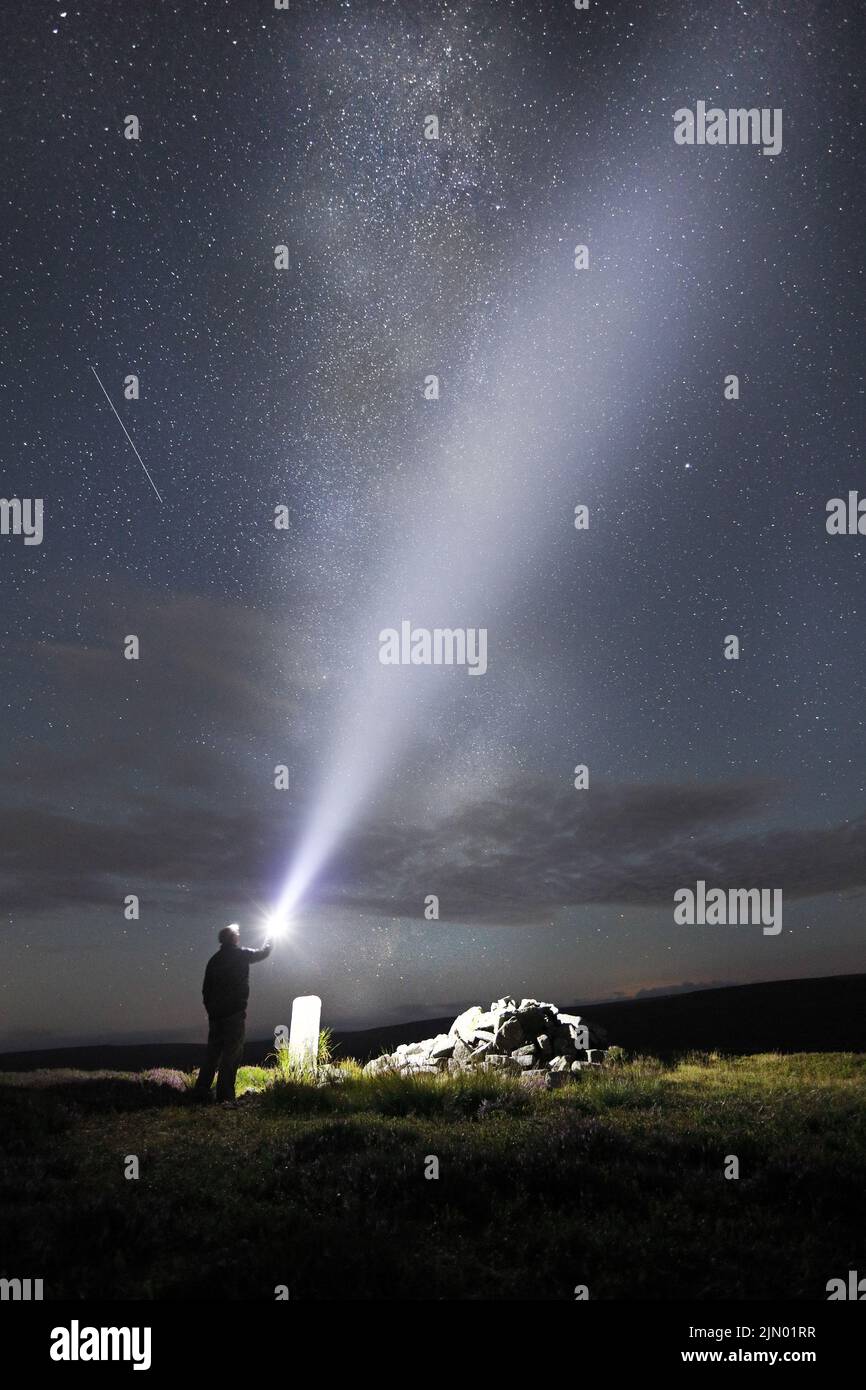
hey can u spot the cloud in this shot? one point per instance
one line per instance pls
(201, 719)
(160, 850)
(519, 859)
(536, 850)
(220, 663)
(154, 776)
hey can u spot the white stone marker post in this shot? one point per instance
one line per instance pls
(304, 1032)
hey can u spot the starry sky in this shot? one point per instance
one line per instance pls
(304, 388)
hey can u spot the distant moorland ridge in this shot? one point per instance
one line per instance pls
(827, 1014)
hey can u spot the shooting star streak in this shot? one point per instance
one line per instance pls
(126, 432)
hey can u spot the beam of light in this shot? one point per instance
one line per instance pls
(565, 360)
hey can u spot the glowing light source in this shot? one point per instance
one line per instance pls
(277, 925)
(304, 1032)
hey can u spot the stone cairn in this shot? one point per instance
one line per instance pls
(528, 1039)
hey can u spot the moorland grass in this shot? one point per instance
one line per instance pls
(616, 1181)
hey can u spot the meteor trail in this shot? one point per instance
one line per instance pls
(126, 432)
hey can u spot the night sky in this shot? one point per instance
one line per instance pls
(304, 387)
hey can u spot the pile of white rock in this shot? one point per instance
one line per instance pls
(526, 1038)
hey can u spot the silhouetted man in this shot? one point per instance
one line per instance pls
(225, 992)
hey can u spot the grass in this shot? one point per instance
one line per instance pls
(615, 1182)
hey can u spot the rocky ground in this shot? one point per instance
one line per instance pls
(528, 1038)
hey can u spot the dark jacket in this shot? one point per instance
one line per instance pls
(226, 987)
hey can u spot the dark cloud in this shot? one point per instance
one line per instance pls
(161, 851)
(169, 778)
(537, 849)
(520, 858)
(202, 662)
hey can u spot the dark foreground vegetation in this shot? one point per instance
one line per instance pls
(615, 1182)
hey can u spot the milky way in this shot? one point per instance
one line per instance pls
(409, 258)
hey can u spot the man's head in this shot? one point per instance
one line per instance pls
(230, 936)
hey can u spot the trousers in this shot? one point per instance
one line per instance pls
(225, 1048)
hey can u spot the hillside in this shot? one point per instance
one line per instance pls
(826, 1014)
